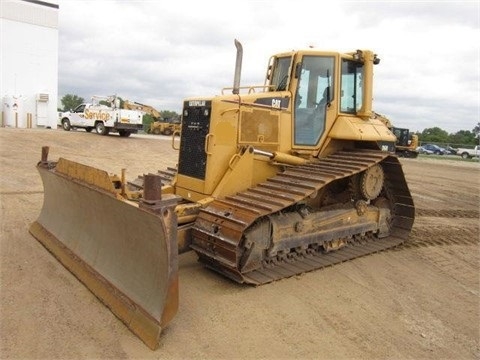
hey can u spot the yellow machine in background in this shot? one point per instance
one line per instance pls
(407, 142)
(272, 181)
(159, 126)
(164, 127)
(147, 109)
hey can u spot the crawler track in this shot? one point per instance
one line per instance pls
(219, 229)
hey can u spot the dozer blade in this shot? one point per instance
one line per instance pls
(126, 255)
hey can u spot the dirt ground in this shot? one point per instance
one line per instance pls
(419, 301)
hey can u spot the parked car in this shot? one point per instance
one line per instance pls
(422, 150)
(434, 149)
(451, 150)
(469, 153)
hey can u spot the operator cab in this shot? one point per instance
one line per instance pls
(311, 79)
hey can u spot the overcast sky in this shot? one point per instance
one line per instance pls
(160, 52)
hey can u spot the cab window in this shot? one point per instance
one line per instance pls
(314, 93)
(280, 73)
(79, 108)
(352, 84)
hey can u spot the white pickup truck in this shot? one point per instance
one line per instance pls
(104, 119)
(469, 153)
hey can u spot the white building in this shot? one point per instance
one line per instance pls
(28, 63)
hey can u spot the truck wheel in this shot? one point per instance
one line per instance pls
(101, 129)
(156, 131)
(167, 132)
(465, 155)
(66, 125)
(124, 133)
(88, 129)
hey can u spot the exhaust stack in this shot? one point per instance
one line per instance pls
(238, 67)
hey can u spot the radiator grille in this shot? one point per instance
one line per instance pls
(195, 127)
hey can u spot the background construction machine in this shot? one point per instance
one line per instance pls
(164, 127)
(159, 126)
(407, 142)
(147, 109)
(272, 181)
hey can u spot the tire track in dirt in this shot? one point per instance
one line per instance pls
(443, 232)
(448, 213)
(441, 235)
(32, 192)
(447, 244)
(453, 251)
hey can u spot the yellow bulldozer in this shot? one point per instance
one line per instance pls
(272, 181)
(164, 127)
(159, 126)
(406, 143)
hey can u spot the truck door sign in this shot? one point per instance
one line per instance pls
(97, 115)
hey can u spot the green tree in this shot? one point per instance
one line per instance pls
(435, 135)
(167, 114)
(462, 137)
(147, 120)
(70, 101)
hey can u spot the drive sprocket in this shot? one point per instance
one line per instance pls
(371, 182)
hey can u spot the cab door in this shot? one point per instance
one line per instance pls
(77, 115)
(314, 94)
